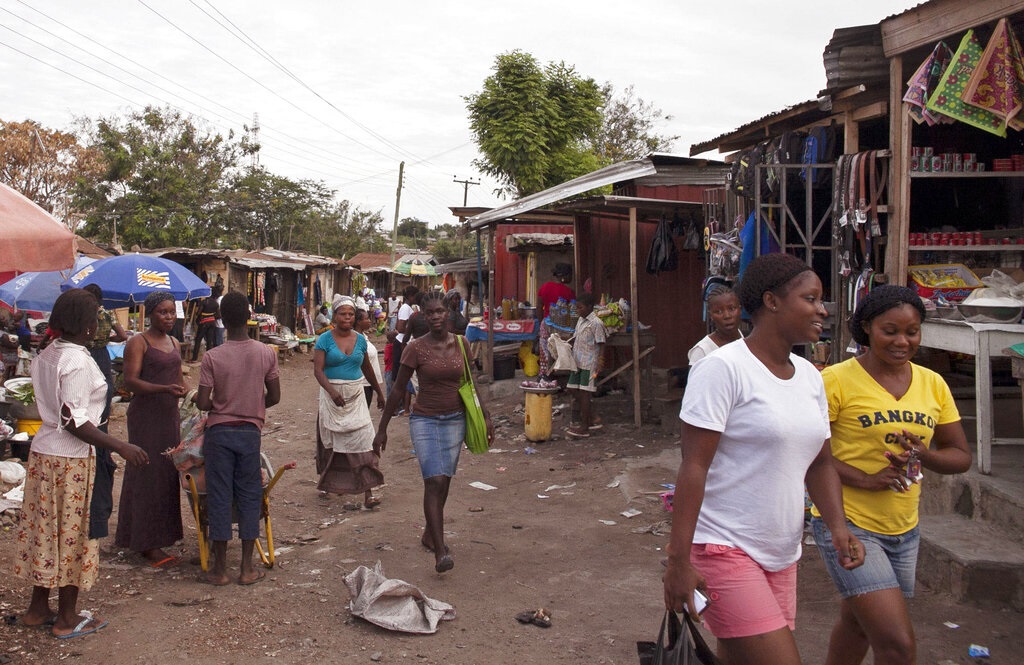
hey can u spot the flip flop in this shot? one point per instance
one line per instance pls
(577, 435)
(168, 562)
(596, 426)
(372, 503)
(81, 630)
(260, 575)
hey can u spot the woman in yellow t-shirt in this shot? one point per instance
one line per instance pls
(890, 420)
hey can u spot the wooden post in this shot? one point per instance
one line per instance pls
(489, 355)
(636, 315)
(896, 250)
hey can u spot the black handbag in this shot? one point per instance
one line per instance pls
(674, 647)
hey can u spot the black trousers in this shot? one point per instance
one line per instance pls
(102, 503)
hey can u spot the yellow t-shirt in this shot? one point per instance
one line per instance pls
(865, 420)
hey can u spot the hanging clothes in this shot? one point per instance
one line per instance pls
(663, 255)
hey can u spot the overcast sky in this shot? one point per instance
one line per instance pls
(392, 74)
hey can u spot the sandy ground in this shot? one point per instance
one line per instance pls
(523, 545)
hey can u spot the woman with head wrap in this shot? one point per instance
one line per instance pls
(345, 458)
(457, 322)
(149, 514)
(755, 431)
(890, 419)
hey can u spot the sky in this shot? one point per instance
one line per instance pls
(345, 90)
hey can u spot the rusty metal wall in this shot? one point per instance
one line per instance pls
(510, 267)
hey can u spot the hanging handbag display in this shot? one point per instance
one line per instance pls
(675, 647)
(476, 423)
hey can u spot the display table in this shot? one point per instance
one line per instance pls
(981, 340)
(513, 330)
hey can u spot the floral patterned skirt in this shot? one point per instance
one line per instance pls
(54, 549)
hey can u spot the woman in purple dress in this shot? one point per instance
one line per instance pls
(149, 515)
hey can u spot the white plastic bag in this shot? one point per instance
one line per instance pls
(11, 472)
(561, 354)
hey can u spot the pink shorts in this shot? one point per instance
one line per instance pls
(745, 599)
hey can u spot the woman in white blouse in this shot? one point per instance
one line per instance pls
(54, 549)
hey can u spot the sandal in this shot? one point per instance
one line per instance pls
(371, 503)
(576, 435)
(444, 564)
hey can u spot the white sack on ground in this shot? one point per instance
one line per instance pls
(394, 604)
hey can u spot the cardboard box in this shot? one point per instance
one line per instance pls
(954, 281)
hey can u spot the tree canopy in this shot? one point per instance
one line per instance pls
(162, 179)
(533, 123)
(538, 126)
(48, 166)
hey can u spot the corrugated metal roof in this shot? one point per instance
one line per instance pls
(585, 183)
(801, 110)
(462, 265)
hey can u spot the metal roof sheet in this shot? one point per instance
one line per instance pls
(593, 180)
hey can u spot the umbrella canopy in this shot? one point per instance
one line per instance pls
(127, 280)
(30, 238)
(38, 291)
(415, 268)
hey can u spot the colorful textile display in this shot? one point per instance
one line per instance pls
(924, 81)
(997, 84)
(947, 100)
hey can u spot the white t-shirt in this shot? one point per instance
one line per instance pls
(703, 348)
(404, 312)
(218, 323)
(772, 429)
(393, 304)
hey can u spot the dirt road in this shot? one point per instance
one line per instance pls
(523, 545)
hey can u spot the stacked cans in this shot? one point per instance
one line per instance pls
(923, 158)
(959, 239)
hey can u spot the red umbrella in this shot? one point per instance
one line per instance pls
(31, 240)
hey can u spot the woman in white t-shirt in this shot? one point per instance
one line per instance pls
(755, 430)
(723, 308)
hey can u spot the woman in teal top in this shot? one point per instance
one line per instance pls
(345, 459)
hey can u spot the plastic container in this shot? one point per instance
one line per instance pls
(30, 427)
(504, 368)
(538, 416)
(954, 281)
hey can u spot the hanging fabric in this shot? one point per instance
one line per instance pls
(997, 84)
(663, 255)
(946, 99)
(923, 83)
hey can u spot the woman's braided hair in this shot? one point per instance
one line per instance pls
(878, 301)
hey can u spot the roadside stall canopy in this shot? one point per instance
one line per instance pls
(415, 268)
(31, 240)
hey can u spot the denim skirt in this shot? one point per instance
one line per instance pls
(437, 442)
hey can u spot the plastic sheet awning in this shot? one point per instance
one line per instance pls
(31, 240)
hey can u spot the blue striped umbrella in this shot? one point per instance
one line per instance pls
(37, 291)
(127, 280)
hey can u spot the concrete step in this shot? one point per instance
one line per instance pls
(971, 560)
(997, 500)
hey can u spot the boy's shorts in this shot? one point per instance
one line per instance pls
(582, 379)
(746, 599)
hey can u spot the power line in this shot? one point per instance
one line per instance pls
(262, 85)
(172, 82)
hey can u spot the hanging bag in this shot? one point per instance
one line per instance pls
(675, 647)
(561, 354)
(476, 423)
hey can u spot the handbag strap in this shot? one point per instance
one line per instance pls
(466, 375)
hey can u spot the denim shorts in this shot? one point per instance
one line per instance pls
(889, 561)
(437, 442)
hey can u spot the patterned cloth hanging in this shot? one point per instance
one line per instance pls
(923, 82)
(946, 99)
(997, 84)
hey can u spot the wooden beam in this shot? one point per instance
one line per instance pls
(849, 92)
(636, 315)
(938, 19)
(871, 112)
(896, 249)
(851, 135)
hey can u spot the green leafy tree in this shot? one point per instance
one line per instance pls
(628, 128)
(163, 180)
(48, 166)
(534, 125)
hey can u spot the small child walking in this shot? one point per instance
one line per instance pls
(586, 350)
(237, 382)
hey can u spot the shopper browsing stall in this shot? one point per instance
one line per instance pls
(587, 350)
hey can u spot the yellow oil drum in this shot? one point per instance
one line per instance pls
(30, 427)
(538, 416)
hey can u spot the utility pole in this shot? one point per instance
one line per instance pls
(394, 228)
(465, 198)
(255, 132)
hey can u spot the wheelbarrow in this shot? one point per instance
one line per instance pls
(197, 501)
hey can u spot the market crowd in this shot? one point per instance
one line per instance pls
(760, 424)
